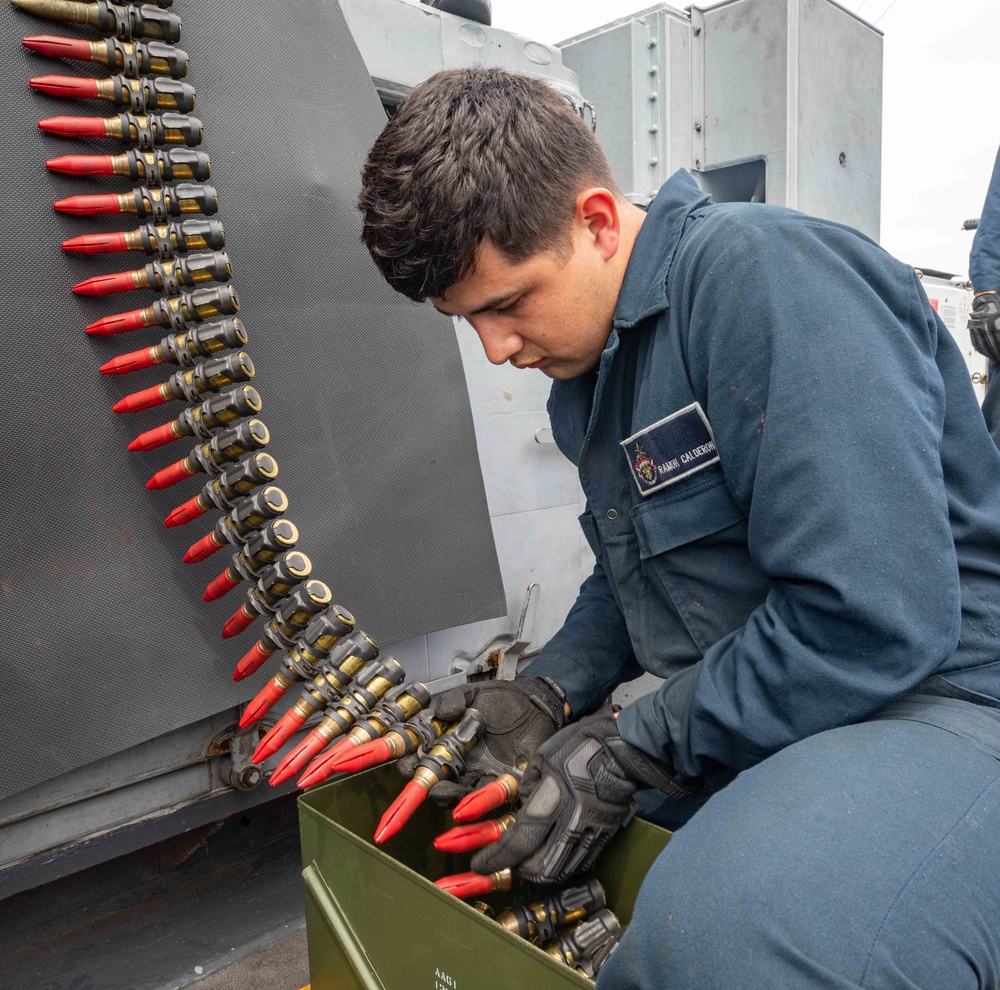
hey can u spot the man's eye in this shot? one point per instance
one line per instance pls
(510, 307)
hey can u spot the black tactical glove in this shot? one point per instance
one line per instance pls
(519, 716)
(575, 794)
(984, 324)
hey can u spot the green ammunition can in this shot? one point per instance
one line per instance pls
(375, 923)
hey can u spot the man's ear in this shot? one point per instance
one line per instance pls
(597, 214)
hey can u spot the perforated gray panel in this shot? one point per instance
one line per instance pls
(105, 639)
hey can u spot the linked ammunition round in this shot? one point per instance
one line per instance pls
(154, 167)
(580, 943)
(262, 547)
(322, 649)
(230, 445)
(399, 705)
(123, 22)
(132, 59)
(294, 613)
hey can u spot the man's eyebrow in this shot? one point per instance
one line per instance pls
(498, 302)
(494, 303)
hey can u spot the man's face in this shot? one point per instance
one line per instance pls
(551, 312)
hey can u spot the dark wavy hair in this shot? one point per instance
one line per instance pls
(473, 154)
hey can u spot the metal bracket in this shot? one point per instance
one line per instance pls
(243, 774)
(239, 745)
(511, 653)
(499, 658)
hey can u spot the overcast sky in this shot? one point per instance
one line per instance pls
(941, 108)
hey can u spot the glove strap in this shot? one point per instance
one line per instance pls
(643, 769)
(547, 695)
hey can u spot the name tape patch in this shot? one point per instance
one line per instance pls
(670, 449)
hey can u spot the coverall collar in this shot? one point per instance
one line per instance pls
(644, 288)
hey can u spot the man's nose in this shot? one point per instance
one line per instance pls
(499, 343)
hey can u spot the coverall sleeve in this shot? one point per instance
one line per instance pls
(592, 653)
(984, 258)
(817, 351)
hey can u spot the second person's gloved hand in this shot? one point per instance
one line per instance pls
(984, 324)
(519, 716)
(575, 795)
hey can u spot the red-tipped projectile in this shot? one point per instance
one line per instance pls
(331, 762)
(51, 44)
(97, 244)
(240, 619)
(261, 705)
(170, 475)
(183, 513)
(152, 439)
(282, 772)
(76, 87)
(466, 838)
(342, 745)
(90, 205)
(400, 811)
(82, 165)
(86, 127)
(480, 802)
(105, 285)
(369, 754)
(466, 885)
(298, 758)
(119, 323)
(283, 730)
(218, 587)
(144, 399)
(201, 550)
(133, 361)
(254, 657)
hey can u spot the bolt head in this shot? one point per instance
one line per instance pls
(248, 778)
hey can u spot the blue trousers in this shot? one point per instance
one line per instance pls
(866, 856)
(991, 402)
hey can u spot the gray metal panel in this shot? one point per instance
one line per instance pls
(404, 41)
(839, 114)
(744, 81)
(767, 88)
(637, 72)
(107, 641)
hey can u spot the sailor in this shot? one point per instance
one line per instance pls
(794, 505)
(984, 323)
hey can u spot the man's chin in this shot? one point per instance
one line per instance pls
(563, 372)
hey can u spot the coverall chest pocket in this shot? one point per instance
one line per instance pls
(693, 549)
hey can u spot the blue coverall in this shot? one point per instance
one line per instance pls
(984, 271)
(801, 536)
